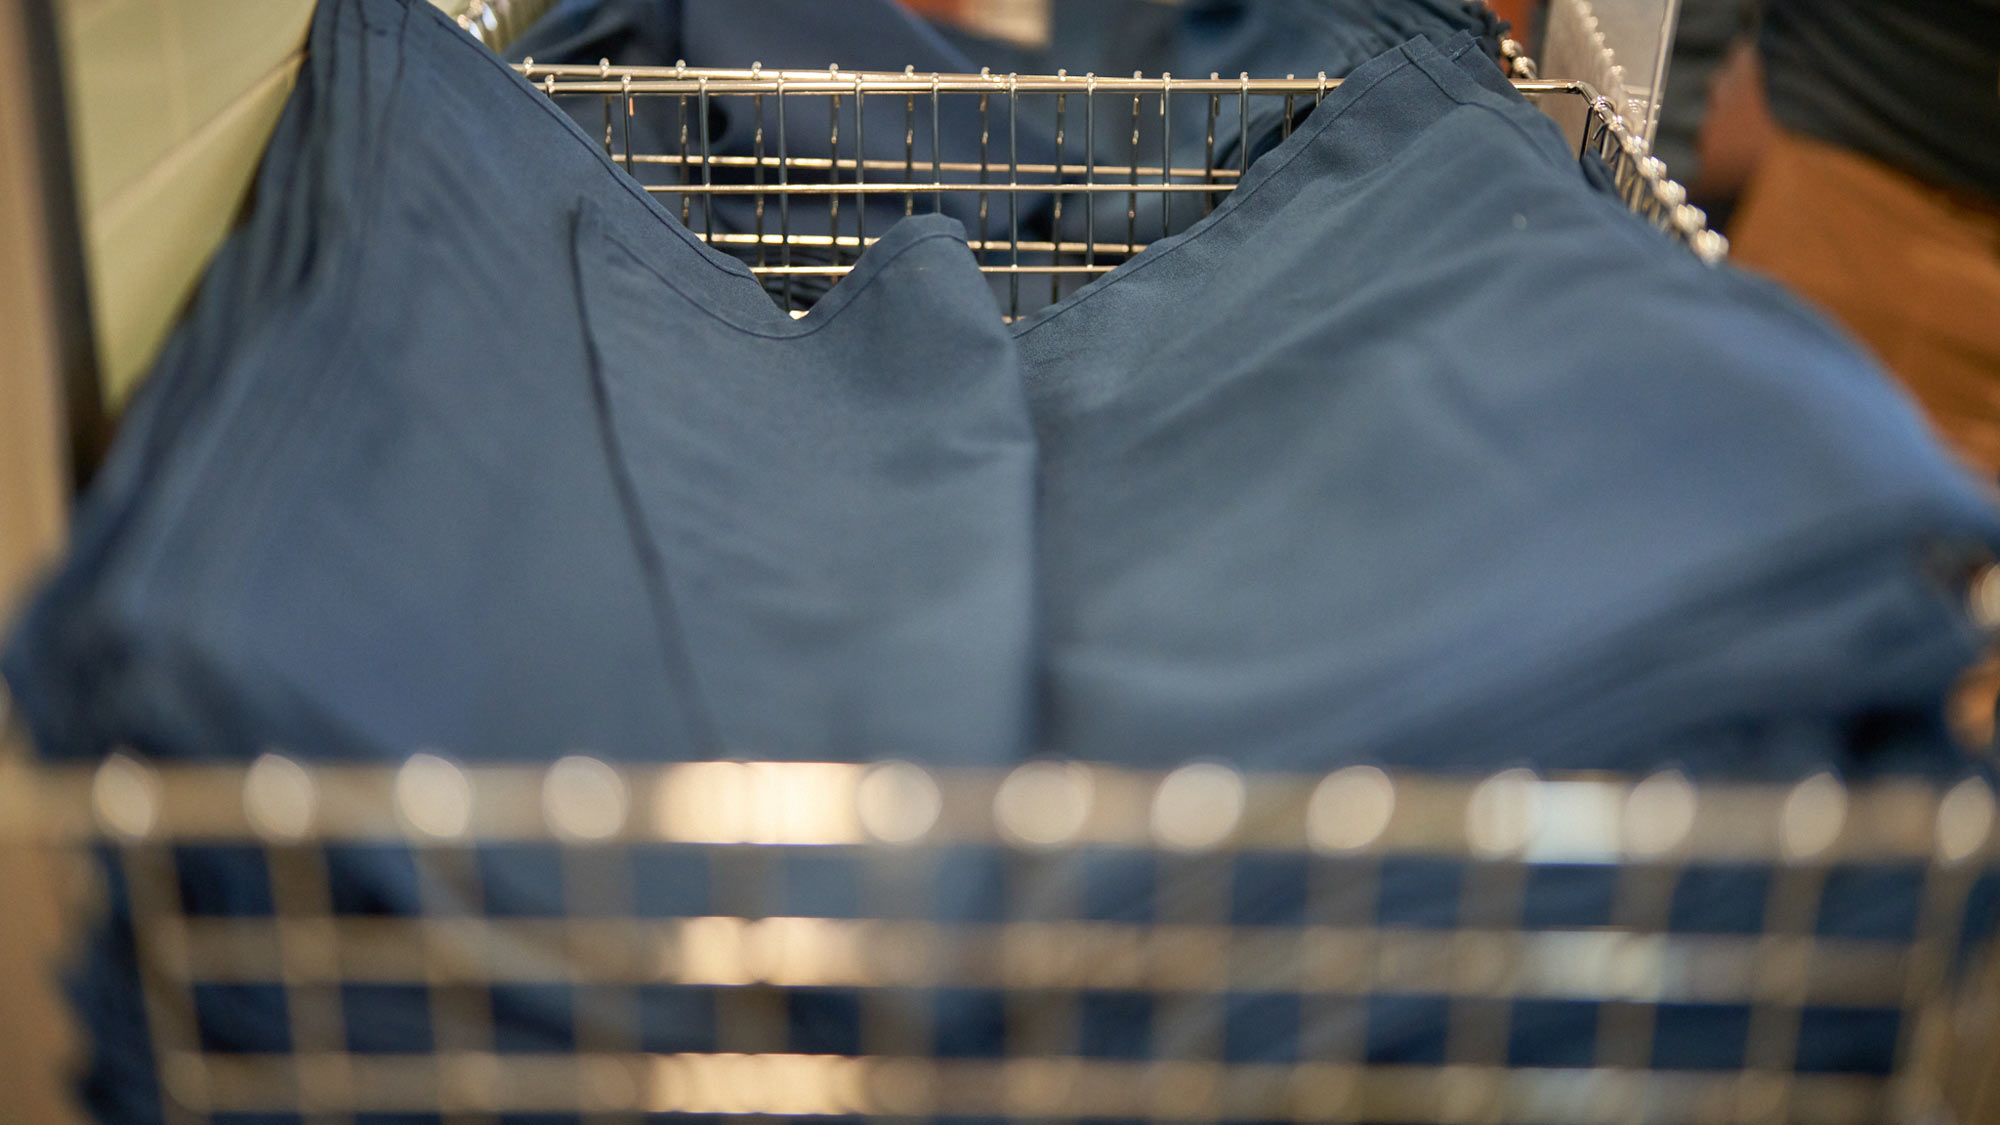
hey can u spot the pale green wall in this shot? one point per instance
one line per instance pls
(171, 103)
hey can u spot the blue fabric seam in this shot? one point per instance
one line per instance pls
(323, 393)
(675, 650)
(709, 255)
(1482, 99)
(1304, 138)
(1452, 84)
(1875, 523)
(821, 317)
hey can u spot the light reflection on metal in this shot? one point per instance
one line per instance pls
(1197, 806)
(1043, 804)
(585, 799)
(1504, 814)
(898, 802)
(1350, 809)
(280, 798)
(1659, 814)
(125, 794)
(434, 797)
(1813, 815)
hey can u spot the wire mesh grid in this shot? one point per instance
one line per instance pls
(1069, 177)
(786, 940)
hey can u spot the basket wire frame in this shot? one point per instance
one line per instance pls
(1191, 969)
(1114, 159)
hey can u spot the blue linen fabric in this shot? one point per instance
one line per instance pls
(1113, 37)
(893, 579)
(1273, 39)
(394, 408)
(1265, 39)
(1302, 506)
(376, 498)
(1319, 511)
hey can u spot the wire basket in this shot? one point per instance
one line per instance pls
(558, 897)
(887, 907)
(1107, 164)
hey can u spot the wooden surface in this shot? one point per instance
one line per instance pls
(36, 1045)
(33, 477)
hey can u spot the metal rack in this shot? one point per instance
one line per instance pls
(1621, 47)
(1112, 140)
(1035, 949)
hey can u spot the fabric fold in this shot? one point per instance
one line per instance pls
(841, 503)
(1324, 514)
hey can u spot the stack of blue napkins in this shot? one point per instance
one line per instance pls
(1419, 451)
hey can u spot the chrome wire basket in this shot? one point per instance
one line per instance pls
(815, 939)
(1112, 174)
